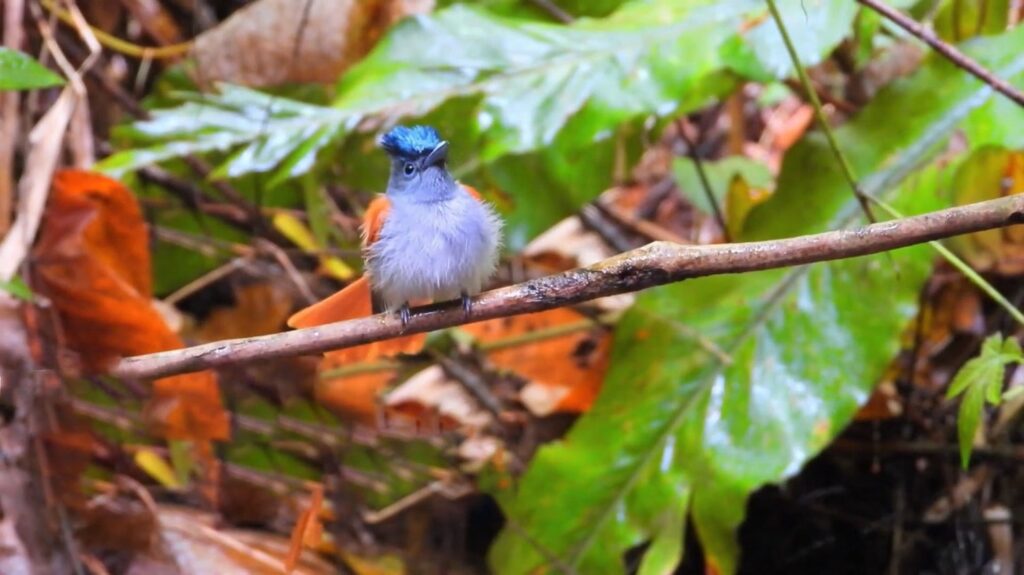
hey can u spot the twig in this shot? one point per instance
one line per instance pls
(705, 184)
(553, 10)
(593, 218)
(473, 382)
(656, 264)
(812, 95)
(955, 56)
(118, 45)
(10, 116)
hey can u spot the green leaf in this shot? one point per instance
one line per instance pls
(959, 20)
(815, 26)
(569, 101)
(19, 71)
(978, 381)
(968, 421)
(720, 174)
(267, 130)
(17, 288)
(723, 384)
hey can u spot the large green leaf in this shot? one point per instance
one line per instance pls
(723, 384)
(18, 71)
(564, 102)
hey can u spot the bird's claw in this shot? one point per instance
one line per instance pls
(467, 304)
(403, 314)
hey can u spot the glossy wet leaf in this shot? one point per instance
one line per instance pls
(562, 104)
(723, 384)
(18, 71)
(815, 26)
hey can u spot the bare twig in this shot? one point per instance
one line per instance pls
(705, 184)
(656, 264)
(10, 117)
(553, 10)
(955, 56)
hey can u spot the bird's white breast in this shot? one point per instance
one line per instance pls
(434, 251)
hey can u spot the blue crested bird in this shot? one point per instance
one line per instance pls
(427, 238)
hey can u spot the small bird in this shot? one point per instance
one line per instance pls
(428, 238)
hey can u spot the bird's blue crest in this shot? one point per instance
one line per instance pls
(410, 141)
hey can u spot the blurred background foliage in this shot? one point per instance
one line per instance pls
(714, 387)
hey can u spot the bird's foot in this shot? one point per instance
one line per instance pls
(403, 314)
(467, 304)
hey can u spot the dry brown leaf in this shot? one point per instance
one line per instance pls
(273, 42)
(44, 149)
(259, 309)
(188, 542)
(565, 370)
(92, 262)
(155, 20)
(431, 401)
(355, 397)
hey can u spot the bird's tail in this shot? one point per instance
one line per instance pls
(350, 303)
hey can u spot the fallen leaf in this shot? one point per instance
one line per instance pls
(308, 529)
(188, 542)
(272, 42)
(156, 467)
(260, 308)
(92, 262)
(355, 396)
(560, 352)
(431, 401)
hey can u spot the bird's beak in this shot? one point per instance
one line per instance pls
(437, 155)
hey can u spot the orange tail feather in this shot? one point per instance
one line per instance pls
(350, 303)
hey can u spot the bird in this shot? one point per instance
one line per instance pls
(428, 238)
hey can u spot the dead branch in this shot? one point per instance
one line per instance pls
(655, 264)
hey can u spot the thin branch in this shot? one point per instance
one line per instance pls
(709, 193)
(655, 264)
(955, 56)
(553, 10)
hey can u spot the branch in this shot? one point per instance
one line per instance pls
(655, 264)
(955, 56)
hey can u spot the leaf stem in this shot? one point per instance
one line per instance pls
(963, 267)
(819, 114)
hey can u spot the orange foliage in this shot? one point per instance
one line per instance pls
(92, 261)
(565, 371)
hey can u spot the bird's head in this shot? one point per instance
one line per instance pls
(419, 169)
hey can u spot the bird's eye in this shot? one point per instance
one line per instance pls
(410, 169)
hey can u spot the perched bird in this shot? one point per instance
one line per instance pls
(428, 238)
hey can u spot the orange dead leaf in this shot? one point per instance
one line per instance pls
(92, 261)
(353, 396)
(308, 530)
(564, 357)
(259, 309)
